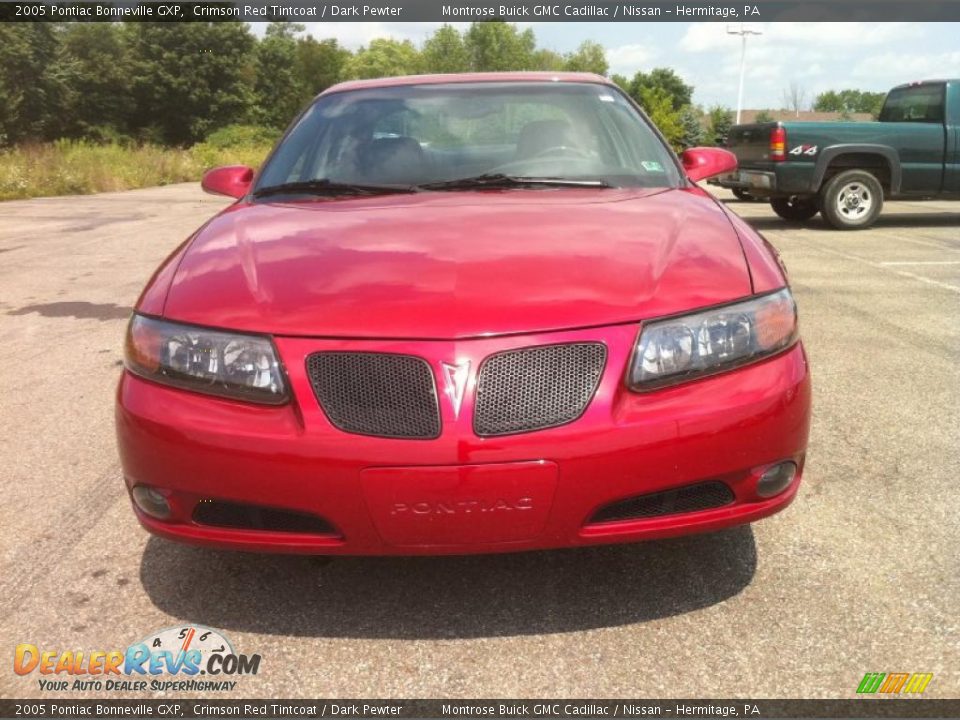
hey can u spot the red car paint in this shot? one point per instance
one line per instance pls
(458, 276)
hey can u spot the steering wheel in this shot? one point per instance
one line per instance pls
(558, 149)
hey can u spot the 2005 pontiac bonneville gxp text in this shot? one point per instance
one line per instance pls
(461, 314)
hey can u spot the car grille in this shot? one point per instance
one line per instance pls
(376, 393)
(690, 498)
(536, 388)
(220, 513)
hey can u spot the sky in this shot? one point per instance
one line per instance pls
(815, 56)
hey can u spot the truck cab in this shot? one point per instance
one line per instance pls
(845, 170)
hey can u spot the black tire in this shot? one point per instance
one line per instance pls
(741, 194)
(795, 209)
(851, 200)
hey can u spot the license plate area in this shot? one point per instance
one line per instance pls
(460, 504)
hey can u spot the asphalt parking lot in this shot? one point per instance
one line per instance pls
(861, 573)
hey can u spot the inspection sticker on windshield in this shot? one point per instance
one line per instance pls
(606, 98)
(651, 166)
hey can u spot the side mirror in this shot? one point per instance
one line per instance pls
(231, 180)
(704, 162)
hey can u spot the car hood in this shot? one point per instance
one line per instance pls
(458, 265)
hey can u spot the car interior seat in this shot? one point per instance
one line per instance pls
(540, 135)
(393, 160)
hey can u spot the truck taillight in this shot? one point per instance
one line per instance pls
(778, 144)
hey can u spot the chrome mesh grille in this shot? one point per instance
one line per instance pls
(536, 388)
(376, 393)
(690, 498)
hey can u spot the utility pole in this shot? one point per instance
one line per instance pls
(742, 32)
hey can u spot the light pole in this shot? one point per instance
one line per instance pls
(742, 32)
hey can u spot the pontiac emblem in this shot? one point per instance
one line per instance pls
(455, 383)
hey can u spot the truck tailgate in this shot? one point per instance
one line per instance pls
(750, 143)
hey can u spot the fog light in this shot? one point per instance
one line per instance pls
(151, 502)
(776, 479)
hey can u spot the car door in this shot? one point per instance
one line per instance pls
(913, 118)
(952, 169)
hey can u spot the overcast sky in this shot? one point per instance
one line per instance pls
(817, 56)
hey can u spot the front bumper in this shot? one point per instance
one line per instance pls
(460, 493)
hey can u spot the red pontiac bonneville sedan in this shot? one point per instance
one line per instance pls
(461, 314)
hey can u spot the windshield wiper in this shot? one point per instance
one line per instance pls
(501, 180)
(331, 187)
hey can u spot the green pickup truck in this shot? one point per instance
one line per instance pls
(845, 170)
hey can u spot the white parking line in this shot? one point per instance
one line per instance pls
(881, 266)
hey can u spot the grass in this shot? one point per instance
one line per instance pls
(77, 167)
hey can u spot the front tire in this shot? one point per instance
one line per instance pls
(795, 209)
(852, 200)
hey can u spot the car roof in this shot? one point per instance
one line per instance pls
(525, 76)
(915, 83)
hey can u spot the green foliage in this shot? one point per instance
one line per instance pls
(547, 60)
(384, 58)
(189, 78)
(89, 107)
(849, 101)
(498, 46)
(69, 167)
(278, 89)
(445, 51)
(589, 57)
(692, 129)
(658, 104)
(621, 81)
(33, 84)
(665, 80)
(98, 104)
(233, 136)
(720, 120)
(320, 64)
(763, 117)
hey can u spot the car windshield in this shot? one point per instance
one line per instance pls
(485, 134)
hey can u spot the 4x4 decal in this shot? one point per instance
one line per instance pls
(804, 150)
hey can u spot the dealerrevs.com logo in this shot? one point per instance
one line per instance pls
(181, 659)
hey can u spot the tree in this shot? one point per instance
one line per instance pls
(189, 78)
(720, 122)
(99, 102)
(692, 128)
(544, 59)
(589, 57)
(621, 81)
(278, 89)
(849, 101)
(665, 79)
(33, 85)
(320, 64)
(658, 104)
(794, 96)
(763, 116)
(384, 58)
(445, 52)
(495, 46)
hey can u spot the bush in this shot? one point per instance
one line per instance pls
(78, 167)
(233, 136)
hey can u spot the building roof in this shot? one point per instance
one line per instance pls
(749, 116)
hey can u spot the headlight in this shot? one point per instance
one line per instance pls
(690, 346)
(243, 367)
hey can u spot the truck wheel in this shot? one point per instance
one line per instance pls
(851, 200)
(741, 194)
(796, 209)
